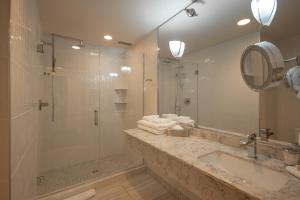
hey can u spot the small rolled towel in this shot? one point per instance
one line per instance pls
(151, 130)
(150, 117)
(177, 128)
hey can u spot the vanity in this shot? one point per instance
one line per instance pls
(207, 166)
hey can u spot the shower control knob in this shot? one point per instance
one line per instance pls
(42, 104)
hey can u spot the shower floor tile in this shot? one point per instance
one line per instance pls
(56, 180)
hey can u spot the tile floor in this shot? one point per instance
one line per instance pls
(62, 178)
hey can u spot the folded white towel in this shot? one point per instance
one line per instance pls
(150, 117)
(170, 116)
(184, 117)
(151, 130)
(157, 126)
(161, 121)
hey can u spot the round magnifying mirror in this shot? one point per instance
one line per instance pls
(261, 66)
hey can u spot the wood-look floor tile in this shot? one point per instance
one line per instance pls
(134, 187)
(138, 180)
(167, 196)
(147, 191)
(111, 192)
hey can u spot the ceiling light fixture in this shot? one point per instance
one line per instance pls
(264, 11)
(243, 22)
(108, 37)
(191, 12)
(177, 48)
(76, 47)
(79, 46)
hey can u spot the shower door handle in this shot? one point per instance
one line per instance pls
(96, 118)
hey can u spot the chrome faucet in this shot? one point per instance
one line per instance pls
(252, 150)
(265, 134)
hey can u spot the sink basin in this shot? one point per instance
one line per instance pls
(248, 171)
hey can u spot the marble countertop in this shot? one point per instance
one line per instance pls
(189, 149)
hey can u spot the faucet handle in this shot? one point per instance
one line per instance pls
(250, 137)
(265, 134)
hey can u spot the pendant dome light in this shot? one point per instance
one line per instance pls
(264, 11)
(177, 48)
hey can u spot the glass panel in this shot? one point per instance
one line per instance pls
(91, 98)
(69, 139)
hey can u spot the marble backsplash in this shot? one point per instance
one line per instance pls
(272, 148)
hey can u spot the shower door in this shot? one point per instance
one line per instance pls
(69, 141)
(95, 93)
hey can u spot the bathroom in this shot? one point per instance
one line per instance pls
(140, 100)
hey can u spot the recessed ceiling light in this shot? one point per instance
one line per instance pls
(126, 69)
(243, 22)
(108, 37)
(112, 74)
(76, 47)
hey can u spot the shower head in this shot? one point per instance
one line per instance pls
(79, 46)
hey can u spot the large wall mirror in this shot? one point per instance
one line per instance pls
(279, 106)
(206, 84)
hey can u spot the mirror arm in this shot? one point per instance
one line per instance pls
(297, 59)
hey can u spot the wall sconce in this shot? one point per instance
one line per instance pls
(177, 48)
(264, 11)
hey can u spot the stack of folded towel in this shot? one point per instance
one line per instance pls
(156, 125)
(181, 120)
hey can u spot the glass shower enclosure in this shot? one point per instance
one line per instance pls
(178, 92)
(90, 93)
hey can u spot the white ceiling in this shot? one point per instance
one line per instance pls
(216, 22)
(90, 20)
(131, 20)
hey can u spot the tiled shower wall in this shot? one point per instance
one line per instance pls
(82, 84)
(25, 92)
(149, 47)
(4, 99)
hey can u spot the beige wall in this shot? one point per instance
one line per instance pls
(4, 100)
(224, 100)
(149, 48)
(25, 92)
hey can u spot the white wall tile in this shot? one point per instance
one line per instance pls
(25, 92)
